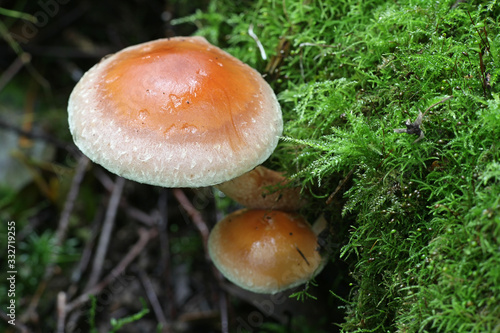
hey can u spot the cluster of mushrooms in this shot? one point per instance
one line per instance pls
(180, 112)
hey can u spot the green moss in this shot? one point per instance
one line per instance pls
(425, 215)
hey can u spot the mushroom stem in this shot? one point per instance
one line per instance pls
(319, 225)
(263, 188)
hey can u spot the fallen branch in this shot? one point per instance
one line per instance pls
(144, 237)
(194, 215)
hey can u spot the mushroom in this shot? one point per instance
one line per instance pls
(175, 112)
(265, 251)
(263, 188)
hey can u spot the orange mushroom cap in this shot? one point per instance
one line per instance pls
(175, 112)
(265, 251)
(263, 188)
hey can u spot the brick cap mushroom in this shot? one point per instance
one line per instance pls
(263, 188)
(175, 112)
(265, 251)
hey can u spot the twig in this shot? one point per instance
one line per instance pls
(104, 178)
(414, 127)
(224, 322)
(194, 215)
(144, 237)
(60, 234)
(200, 224)
(153, 299)
(87, 250)
(19, 325)
(149, 220)
(62, 227)
(163, 268)
(437, 103)
(164, 240)
(61, 311)
(341, 184)
(485, 43)
(44, 137)
(67, 52)
(10, 72)
(107, 227)
(257, 41)
(14, 45)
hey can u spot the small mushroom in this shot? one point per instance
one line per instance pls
(265, 251)
(175, 112)
(263, 188)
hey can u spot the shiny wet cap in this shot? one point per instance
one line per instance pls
(175, 112)
(265, 251)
